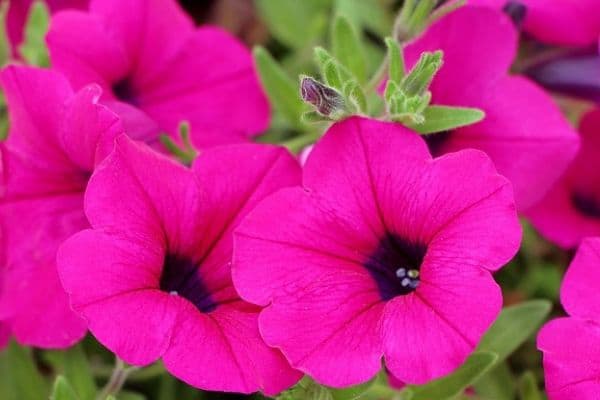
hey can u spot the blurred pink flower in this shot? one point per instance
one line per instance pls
(55, 139)
(564, 22)
(18, 12)
(571, 345)
(571, 209)
(523, 132)
(153, 277)
(378, 255)
(157, 70)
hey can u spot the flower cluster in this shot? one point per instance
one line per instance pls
(136, 205)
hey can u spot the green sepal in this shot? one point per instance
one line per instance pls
(280, 88)
(444, 118)
(420, 77)
(454, 384)
(397, 66)
(62, 390)
(353, 92)
(347, 47)
(34, 50)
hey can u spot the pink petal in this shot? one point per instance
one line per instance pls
(33, 229)
(211, 83)
(571, 355)
(523, 132)
(150, 31)
(581, 285)
(237, 360)
(429, 333)
(89, 129)
(136, 188)
(80, 46)
(488, 46)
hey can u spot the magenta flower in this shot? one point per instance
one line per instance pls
(571, 345)
(54, 141)
(378, 255)
(571, 209)
(523, 131)
(567, 23)
(157, 70)
(153, 278)
(18, 12)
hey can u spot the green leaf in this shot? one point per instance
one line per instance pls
(514, 326)
(34, 49)
(454, 384)
(62, 390)
(77, 370)
(353, 392)
(528, 387)
(396, 59)
(348, 49)
(128, 395)
(444, 118)
(29, 383)
(420, 77)
(4, 43)
(372, 15)
(498, 384)
(281, 89)
(306, 389)
(295, 23)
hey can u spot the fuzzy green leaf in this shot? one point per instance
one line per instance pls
(281, 89)
(62, 390)
(348, 49)
(396, 59)
(514, 326)
(34, 49)
(444, 118)
(77, 371)
(498, 384)
(452, 385)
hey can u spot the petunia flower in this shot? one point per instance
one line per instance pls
(565, 23)
(571, 209)
(523, 131)
(18, 12)
(55, 139)
(157, 69)
(152, 277)
(571, 345)
(385, 252)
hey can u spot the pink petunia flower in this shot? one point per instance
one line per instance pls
(571, 209)
(153, 278)
(18, 12)
(157, 69)
(384, 252)
(524, 131)
(55, 139)
(571, 345)
(565, 22)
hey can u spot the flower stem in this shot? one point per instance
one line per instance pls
(117, 379)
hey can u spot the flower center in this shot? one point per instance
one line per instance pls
(124, 91)
(180, 276)
(395, 266)
(587, 205)
(436, 141)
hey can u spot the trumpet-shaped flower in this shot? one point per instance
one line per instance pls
(157, 69)
(571, 344)
(152, 277)
(385, 252)
(523, 130)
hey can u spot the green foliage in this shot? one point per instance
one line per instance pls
(62, 390)
(22, 374)
(33, 49)
(282, 90)
(444, 118)
(528, 388)
(454, 384)
(348, 49)
(514, 326)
